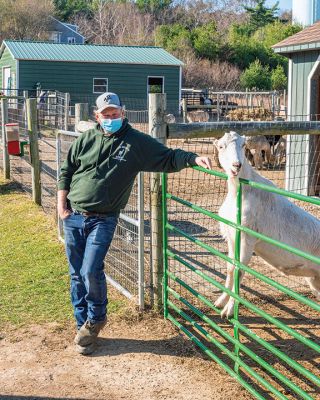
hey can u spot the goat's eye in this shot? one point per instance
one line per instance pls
(221, 147)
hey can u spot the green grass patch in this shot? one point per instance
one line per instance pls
(34, 281)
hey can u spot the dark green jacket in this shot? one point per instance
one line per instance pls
(99, 171)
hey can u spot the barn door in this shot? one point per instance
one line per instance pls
(314, 149)
(6, 80)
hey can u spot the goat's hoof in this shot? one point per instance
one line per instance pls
(221, 301)
(227, 311)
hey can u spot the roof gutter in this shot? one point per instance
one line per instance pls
(296, 48)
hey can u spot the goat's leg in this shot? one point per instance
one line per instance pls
(267, 156)
(314, 284)
(246, 250)
(223, 299)
(257, 158)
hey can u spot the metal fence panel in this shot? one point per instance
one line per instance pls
(252, 347)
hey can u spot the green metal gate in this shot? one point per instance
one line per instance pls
(242, 352)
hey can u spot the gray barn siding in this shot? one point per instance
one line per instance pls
(129, 81)
(7, 61)
(298, 163)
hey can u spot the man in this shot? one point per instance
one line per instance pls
(94, 185)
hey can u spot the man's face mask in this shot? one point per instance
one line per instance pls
(111, 125)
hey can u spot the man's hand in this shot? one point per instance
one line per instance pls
(63, 211)
(204, 162)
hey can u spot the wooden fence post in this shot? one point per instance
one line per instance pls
(158, 130)
(34, 149)
(184, 110)
(5, 155)
(81, 113)
(66, 111)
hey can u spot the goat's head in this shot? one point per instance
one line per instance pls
(231, 152)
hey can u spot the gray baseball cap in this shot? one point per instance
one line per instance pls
(108, 99)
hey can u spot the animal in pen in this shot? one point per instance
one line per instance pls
(170, 119)
(197, 116)
(258, 151)
(280, 151)
(266, 213)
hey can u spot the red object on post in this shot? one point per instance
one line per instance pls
(12, 133)
(14, 148)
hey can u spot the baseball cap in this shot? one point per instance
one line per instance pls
(108, 99)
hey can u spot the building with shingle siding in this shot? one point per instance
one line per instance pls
(61, 32)
(85, 71)
(303, 52)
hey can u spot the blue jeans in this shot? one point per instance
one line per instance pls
(87, 240)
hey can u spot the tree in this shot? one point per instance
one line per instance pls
(256, 76)
(260, 15)
(279, 80)
(67, 9)
(205, 41)
(154, 7)
(174, 38)
(117, 23)
(25, 19)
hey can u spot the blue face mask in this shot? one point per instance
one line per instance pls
(111, 125)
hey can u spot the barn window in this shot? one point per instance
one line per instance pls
(71, 40)
(155, 84)
(100, 85)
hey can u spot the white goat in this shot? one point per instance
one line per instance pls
(266, 213)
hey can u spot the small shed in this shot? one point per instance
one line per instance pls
(85, 71)
(303, 152)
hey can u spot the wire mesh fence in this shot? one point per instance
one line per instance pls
(209, 192)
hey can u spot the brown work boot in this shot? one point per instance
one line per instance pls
(88, 333)
(86, 350)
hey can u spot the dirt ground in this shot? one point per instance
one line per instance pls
(145, 359)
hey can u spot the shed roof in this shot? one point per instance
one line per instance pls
(307, 39)
(47, 51)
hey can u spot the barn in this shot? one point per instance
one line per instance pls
(303, 52)
(85, 71)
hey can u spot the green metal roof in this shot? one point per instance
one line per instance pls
(46, 51)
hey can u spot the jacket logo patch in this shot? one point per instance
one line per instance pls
(123, 150)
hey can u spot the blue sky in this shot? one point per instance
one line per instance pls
(283, 4)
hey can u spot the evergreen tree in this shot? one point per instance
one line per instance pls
(260, 15)
(66, 9)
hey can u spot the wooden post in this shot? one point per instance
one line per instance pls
(158, 130)
(81, 113)
(66, 111)
(184, 110)
(5, 155)
(273, 105)
(218, 107)
(34, 149)
(24, 108)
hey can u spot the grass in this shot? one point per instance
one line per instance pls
(34, 282)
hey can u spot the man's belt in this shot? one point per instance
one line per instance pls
(95, 214)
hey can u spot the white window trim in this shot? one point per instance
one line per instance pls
(154, 76)
(93, 85)
(2, 77)
(71, 40)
